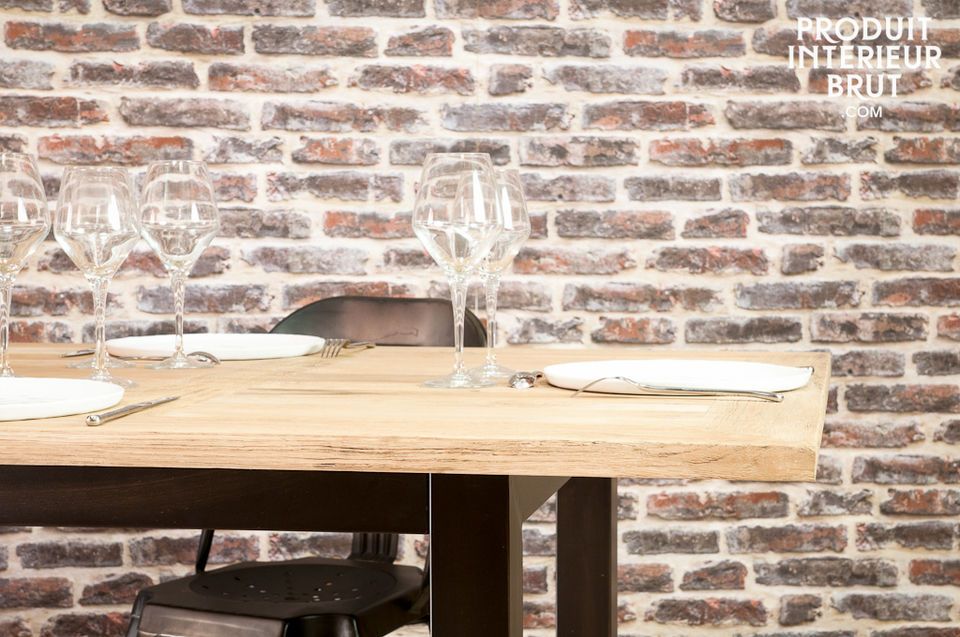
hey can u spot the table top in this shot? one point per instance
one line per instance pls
(366, 411)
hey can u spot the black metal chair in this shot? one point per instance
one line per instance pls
(364, 595)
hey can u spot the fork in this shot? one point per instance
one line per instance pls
(332, 347)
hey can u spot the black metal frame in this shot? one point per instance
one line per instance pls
(474, 523)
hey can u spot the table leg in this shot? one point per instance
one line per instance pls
(476, 581)
(587, 558)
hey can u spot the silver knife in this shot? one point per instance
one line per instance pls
(95, 420)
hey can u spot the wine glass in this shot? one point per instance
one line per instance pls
(96, 225)
(516, 230)
(457, 220)
(24, 223)
(179, 218)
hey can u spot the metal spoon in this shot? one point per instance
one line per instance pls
(525, 380)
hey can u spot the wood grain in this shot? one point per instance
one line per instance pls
(366, 411)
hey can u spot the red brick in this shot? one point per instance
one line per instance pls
(412, 152)
(878, 435)
(234, 186)
(52, 112)
(673, 540)
(937, 363)
(773, 329)
(606, 78)
(269, 79)
(648, 10)
(243, 150)
(868, 327)
(644, 578)
(830, 220)
(13, 143)
(801, 258)
(673, 188)
(544, 41)
(948, 432)
(936, 222)
(618, 296)
(721, 152)
(509, 79)
(734, 505)
(374, 225)
(935, 572)
(287, 546)
(129, 151)
(684, 44)
(388, 8)
(579, 152)
(921, 502)
(914, 117)
(342, 185)
(502, 9)
(905, 469)
(928, 535)
(538, 543)
(789, 187)
(159, 74)
(542, 331)
(535, 580)
(868, 363)
(793, 538)
(206, 299)
(73, 624)
(786, 115)
(801, 609)
(934, 184)
(539, 615)
(420, 79)
(918, 291)
(35, 592)
(300, 294)
(728, 223)
(307, 259)
(798, 296)
(505, 117)
(563, 261)
(830, 150)
(337, 151)
(166, 551)
(315, 40)
(650, 331)
(909, 82)
(41, 555)
(642, 115)
(146, 8)
(715, 260)
(827, 571)
(770, 79)
(708, 612)
(726, 575)
(190, 112)
(196, 38)
(69, 38)
(250, 7)
(28, 74)
(895, 607)
(335, 117)
(923, 150)
(614, 224)
(15, 627)
(121, 589)
(830, 502)
(432, 41)
(745, 10)
(904, 398)
(578, 187)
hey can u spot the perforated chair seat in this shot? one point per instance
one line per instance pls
(311, 597)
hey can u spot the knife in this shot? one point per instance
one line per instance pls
(95, 420)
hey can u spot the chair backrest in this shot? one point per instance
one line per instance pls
(384, 321)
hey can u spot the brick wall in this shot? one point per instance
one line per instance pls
(687, 188)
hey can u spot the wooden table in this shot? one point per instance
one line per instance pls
(355, 444)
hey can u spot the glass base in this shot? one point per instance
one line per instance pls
(107, 377)
(458, 381)
(6, 372)
(112, 363)
(182, 362)
(491, 371)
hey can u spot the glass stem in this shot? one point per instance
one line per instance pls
(6, 300)
(492, 290)
(100, 286)
(178, 281)
(458, 297)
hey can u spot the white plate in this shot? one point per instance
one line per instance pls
(27, 398)
(672, 372)
(226, 347)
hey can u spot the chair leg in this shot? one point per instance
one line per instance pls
(203, 550)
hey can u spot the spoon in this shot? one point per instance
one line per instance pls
(525, 380)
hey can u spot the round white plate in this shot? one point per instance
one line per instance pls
(226, 347)
(672, 372)
(27, 398)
